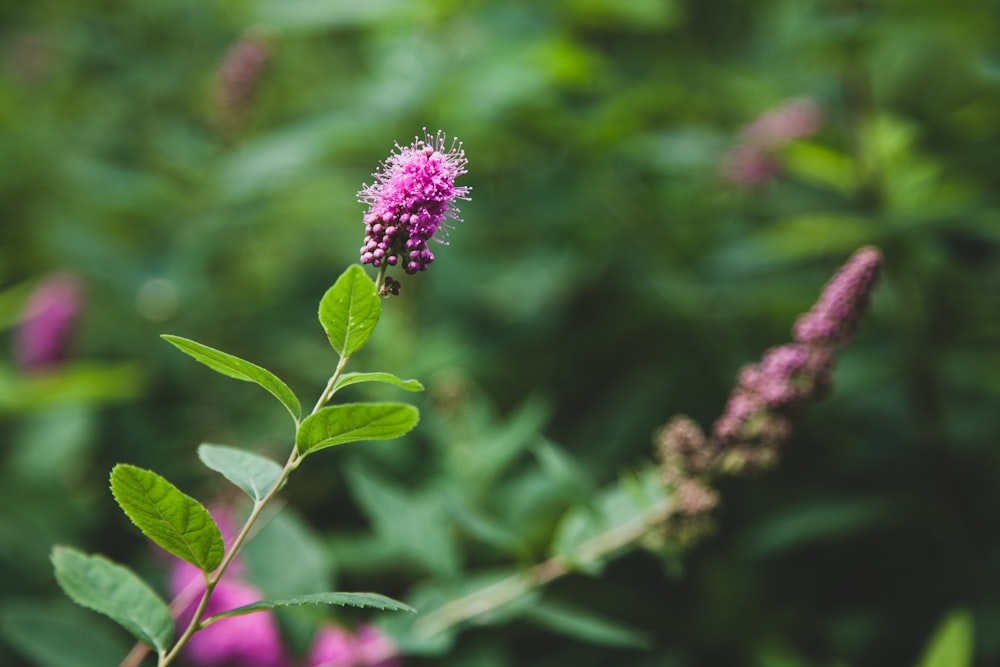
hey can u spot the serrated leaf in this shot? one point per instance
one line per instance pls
(95, 582)
(175, 521)
(350, 310)
(239, 369)
(585, 625)
(386, 378)
(253, 473)
(370, 600)
(350, 422)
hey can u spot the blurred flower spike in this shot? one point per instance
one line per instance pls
(47, 323)
(752, 161)
(413, 196)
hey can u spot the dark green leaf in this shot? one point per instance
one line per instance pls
(239, 369)
(387, 378)
(350, 310)
(251, 472)
(351, 422)
(95, 582)
(175, 521)
(371, 600)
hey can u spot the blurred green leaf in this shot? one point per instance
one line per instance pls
(51, 634)
(351, 422)
(171, 519)
(413, 523)
(95, 582)
(287, 558)
(350, 310)
(363, 600)
(237, 368)
(952, 642)
(622, 506)
(253, 473)
(387, 378)
(585, 625)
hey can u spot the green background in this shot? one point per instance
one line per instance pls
(605, 279)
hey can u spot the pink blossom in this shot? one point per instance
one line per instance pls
(47, 322)
(412, 197)
(834, 318)
(333, 646)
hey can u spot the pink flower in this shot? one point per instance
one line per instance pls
(334, 646)
(250, 640)
(413, 196)
(834, 318)
(752, 161)
(47, 323)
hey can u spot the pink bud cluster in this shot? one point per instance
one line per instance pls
(412, 197)
(756, 419)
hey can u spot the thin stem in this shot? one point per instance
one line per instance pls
(489, 598)
(136, 655)
(380, 277)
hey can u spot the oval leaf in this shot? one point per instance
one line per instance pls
(351, 422)
(254, 474)
(370, 600)
(95, 582)
(350, 310)
(239, 369)
(175, 521)
(386, 378)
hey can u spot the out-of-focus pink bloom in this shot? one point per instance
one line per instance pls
(834, 318)
(251, 640)
(752, 161)
(238, 76)
(747, 165)
(792, 119)
(47, 322)
(334, 646)
(375, 648)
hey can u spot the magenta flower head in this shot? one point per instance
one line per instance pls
(334, 646)
(413, 196)
(834, 318)
(47, 323)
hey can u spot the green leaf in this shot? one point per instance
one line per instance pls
(370, 600)
(175, 521)
(239, 369)
(61, 634)
(585, 625)
(94, 582)
(351, 422)
(350, 310)
(251, 472)
(952, 643)
(387, 378)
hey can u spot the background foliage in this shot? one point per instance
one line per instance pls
(606, 278)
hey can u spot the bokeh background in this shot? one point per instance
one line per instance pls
(633, 238)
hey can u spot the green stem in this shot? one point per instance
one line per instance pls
(134, 658)
(380, 277)
(489, 598)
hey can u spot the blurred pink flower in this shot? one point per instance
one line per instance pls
(334, 646)
(251, 640)
(752, 161)
(47, 322)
